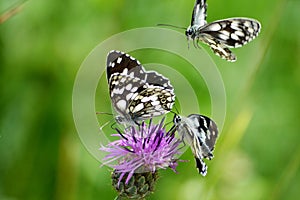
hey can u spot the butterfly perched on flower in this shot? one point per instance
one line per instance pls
(136, 94)
(200, 133)
(222, 34)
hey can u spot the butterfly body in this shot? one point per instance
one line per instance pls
(200, 133)
(136, 94)
(222, 34)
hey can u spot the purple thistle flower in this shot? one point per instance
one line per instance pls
(146, 148)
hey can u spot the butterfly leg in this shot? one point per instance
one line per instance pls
(138, 124)
(113, 125)
(195, 43)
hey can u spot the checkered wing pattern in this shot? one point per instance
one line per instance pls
(222, 34)
(137, 94)
(201, 133)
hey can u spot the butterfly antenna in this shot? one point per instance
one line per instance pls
(173, 26)
(112, 126)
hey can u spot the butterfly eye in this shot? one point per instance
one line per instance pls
(189, 32)
(176, 119)
(120, 119)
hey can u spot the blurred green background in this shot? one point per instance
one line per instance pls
(41, 48)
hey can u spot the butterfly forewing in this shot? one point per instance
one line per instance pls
(122, 63)
(233, 32)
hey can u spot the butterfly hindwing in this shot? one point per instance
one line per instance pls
(151, 102)
(217, 47)
(155, 79)
(123, 89)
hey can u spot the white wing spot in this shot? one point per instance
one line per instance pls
(223, 37)
(134, 89)
(128, 96)
(119, 60)
(129, 86)
(225, 33)
(155, 103)
(215, 27)
(234, 36)
(125, 71)
(239, 33)
(118, 91)
(138, 107)
(121, 104)
(251, 30)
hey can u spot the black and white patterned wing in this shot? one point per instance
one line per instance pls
(124, 88)
(137, 94)
(205, 135)
(122, 63)
(151, 102)
(207, 132)
(155, 79)
(201, 133)
(232, 32)
(125, 77)
(218, 48)
(199, 13)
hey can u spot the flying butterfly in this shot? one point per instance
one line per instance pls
(136, 94)
(222, 34)
(200, 133)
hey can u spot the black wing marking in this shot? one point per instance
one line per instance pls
(122, 63)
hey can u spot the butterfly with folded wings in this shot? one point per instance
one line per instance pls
(200, 133)
(136, 94)
(222, 34)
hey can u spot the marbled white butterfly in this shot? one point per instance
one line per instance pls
(136, 94)
(201, 133)
(222, 34)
